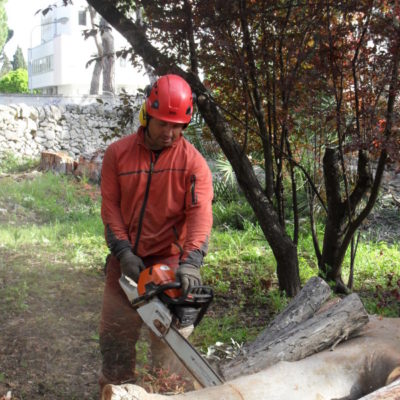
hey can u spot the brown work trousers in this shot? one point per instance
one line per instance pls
(120, 327)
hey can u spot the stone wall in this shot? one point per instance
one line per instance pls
(75, 129)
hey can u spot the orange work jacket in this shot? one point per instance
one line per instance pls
(156, 205)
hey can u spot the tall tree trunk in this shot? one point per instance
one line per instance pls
(107, 41)
(340, 214)
(282, 246)
(331, 261)
(95, 82)
(98, 66)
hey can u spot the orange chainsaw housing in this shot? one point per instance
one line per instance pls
(158, 274)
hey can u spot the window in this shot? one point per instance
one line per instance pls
(42, 65)
(82, 17)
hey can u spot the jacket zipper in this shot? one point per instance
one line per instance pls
(193, 189)
(176, 243)
(146, 195)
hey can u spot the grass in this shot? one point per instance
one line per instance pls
(59, 218)
(56, 213)
(9, 162)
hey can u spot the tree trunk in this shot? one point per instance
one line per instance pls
(282, 246)
(314, 293)
(348, 371)
(98, 66)
(107, 40)
(56, 161)
(331, 260)
(308, 337)
(389, 392)
(95, 82)
(341, 218)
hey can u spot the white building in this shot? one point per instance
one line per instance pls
(59, 53)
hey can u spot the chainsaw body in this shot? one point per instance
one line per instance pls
(159, 280)
(163, 307)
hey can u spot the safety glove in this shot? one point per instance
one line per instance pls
(131, 265)
(189, 276)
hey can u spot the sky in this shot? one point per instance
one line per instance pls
(21, 18)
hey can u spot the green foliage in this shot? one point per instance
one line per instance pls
(15, 82)
(6, 66)
(222, 329)
(3, 25)
(233, 214)
(18, 60)
(226, 188)
(61, 222)
(195, 133)
(9, 162)
(64, 218)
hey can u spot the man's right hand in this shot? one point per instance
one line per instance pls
(131, 265)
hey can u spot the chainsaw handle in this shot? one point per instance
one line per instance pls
(155, 290)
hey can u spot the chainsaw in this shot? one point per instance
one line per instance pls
(158, 299)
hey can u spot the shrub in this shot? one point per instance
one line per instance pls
(15, 82)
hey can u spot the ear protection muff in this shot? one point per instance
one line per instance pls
(143, 115)
(143, 119)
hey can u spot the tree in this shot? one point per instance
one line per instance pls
(15, 82)
(104, 62)
(107, 40)
(360, 47)
(18, 59)
(6, 66)
(4, 32)
(98, 64)
(264, 64)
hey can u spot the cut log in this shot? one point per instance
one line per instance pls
(308, 301)
(59, 162)
(292, 338)
(296, 333)
(90, 166)
(352, 370)
(389, 392)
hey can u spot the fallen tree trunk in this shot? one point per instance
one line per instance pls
(352, 370)
(323, 330)
(307, 302)
(389, 392)
(297, 332)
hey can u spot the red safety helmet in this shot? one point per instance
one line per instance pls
(170, 100)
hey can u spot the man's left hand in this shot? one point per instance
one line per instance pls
(189, 276)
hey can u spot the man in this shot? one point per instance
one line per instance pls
(156, 208)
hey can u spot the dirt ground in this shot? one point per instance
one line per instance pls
(48, 341)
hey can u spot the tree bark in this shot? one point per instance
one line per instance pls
(351, 370)
(56, 161)
(330, 266)
(95, 82)
(98, 66)
(314, 293)
(340, 215)
(389, 392)
(107, 41)
(292, 341)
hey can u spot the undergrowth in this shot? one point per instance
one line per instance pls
(60, 218)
